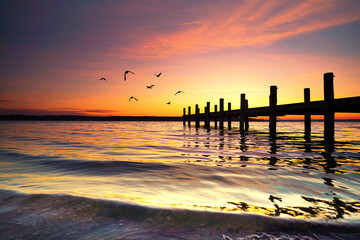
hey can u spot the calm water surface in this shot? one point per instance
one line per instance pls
(105, 174)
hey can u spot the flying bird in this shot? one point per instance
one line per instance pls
(126, 72)
(157, 75)
(168, 102)
(132, 97)
(179, 92)
(103, 79)
(150, 87)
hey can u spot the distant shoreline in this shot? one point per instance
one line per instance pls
(19, 117)
(84, 118)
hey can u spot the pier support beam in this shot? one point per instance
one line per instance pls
(272, 112)
(184, 116)
(189, 116)
(197, 118)
(246, 116)
(329, 115)
(221, 120)
(242, 112)
(207, 116)
(204, 116)
(229, 116)
(215, 117)
(307, 116)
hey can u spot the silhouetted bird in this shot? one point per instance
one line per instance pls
(157, 75)
(103, 79)
(168, 102)
(126, 72)
(132, 97)
(150, 86)
(179, 92)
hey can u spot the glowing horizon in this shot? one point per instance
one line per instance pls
(54, 53)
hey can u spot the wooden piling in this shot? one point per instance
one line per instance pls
(197, 118)
(204, 118)
(189, 116)
(229, 116)
(328, 107)
(329, 115)
(242, 112)
(184, 116)
(215, 117)
(272, 111)
(221, 120)
(207, 115)
(307, 116)
(246, 116)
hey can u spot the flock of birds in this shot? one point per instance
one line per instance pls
(148, 87)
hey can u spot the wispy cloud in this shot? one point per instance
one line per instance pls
(189, 23)
(246, 23)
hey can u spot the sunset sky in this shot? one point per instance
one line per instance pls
(53, 53)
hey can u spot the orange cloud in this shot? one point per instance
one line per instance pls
(245, 24)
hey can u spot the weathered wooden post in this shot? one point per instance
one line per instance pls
(189, 116)
(229, 115)
(184, 116)
(242, 112)
(329, 116)
(204, 116)
(207, 115)
(221, 122)
(197, 118)
(307, 116)
(246, 116)
(272, 113)
(215, 117)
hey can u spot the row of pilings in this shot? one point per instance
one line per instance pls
(219, 116)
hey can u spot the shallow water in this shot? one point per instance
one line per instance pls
(178, 176)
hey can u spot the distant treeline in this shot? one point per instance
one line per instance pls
(85, 118)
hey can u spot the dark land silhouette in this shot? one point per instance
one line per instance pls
(20, 117)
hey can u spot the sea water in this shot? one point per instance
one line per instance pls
(161, 180)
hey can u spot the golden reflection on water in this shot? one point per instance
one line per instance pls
(318, 208)
(200, 170)
(334, 209)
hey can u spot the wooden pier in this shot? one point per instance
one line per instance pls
(328, 107)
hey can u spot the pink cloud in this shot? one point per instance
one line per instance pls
(189, 23)
(240, 24)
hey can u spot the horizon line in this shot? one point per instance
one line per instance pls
(174, 118)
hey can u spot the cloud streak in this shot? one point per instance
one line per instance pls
(248, 23)
(189, 23)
